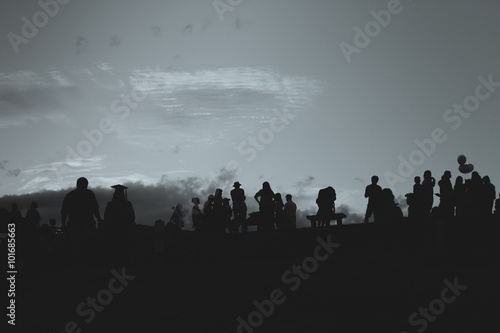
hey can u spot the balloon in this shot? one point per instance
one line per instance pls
(461, 159)
(462, 168)
(470, 168)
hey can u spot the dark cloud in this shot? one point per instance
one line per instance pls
(10, 172)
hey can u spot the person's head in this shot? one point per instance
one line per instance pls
(225, 201)
(211, 197)
(459, 180)
(447, 174)
(475, 176)
(82, 183)
(266, 186)
(427, 174)
(195, 200)
(374, 180)
(417, 180)
(119, 194)
(236, 185)
(218, 192)
(178, 207)
(486, 180)
(288, 197)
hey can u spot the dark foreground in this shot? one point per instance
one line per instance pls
(248, 283)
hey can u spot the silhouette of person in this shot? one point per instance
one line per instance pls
(266, 207)
(326, 205)
(239, 206)
(290, 210)
(372, 192)
(33, 217)
(119, 224)
(218, 214)
(446, 209)
(391, 213)
(15, 215)
(227, 213)
(279, 217)
(474, 194)
(460, 198)
(427, 192)
(208, 214)
(489, 195)
(78, 210)
(196, 214)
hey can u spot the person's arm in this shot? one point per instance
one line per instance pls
(256, 196)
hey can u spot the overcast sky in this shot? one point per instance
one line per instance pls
(185, 96)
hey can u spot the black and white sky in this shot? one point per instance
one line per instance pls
(183, 96)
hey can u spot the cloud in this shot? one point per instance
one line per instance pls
(10, 172)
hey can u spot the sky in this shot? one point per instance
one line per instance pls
(176, 98)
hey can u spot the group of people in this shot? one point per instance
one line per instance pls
(473, 197)
(218, 216)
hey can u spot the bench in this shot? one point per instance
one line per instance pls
(314, 219)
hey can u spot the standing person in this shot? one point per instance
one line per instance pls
(278, 211)
(460, 198)
(489, 195)
(445, 196)
(290, 210)
(218, 214)
(208, 214)
(15, 215)
(266, 207)
(33, 217)
(372, 192)
(326, 205)
(427, 192)
(79, 209)
(196, 214)
(239, 206)
(119, 225)
(227, 213)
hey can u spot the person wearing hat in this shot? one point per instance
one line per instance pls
(239, 206)
(119, 224)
